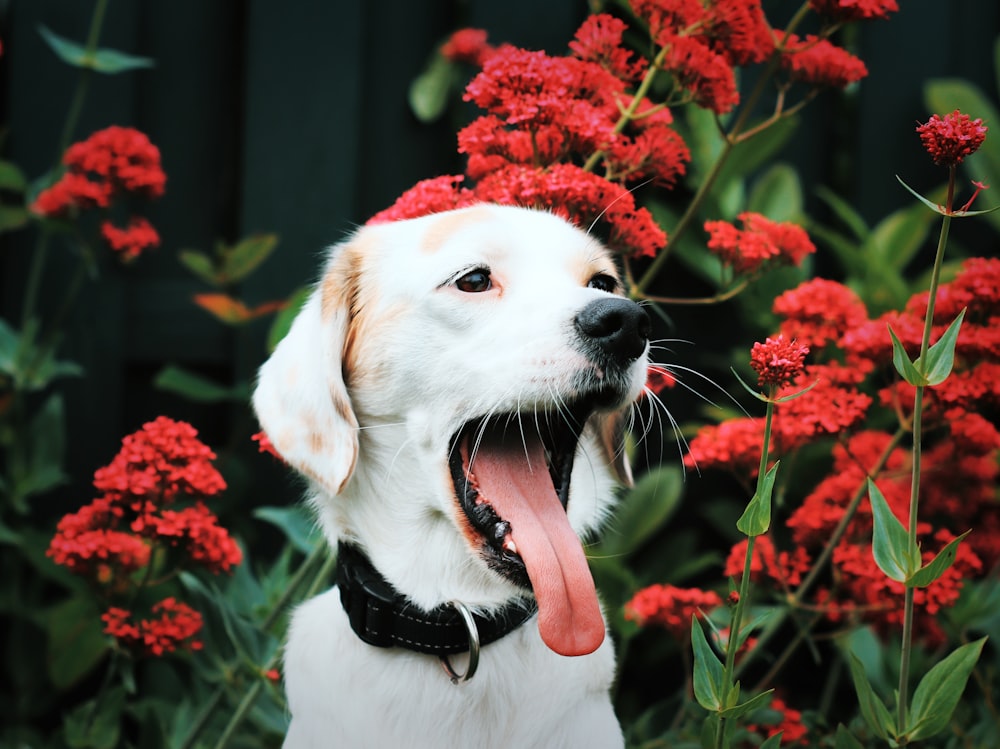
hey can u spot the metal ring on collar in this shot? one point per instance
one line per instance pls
(470, 627)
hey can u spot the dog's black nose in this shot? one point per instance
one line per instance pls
(619, 328)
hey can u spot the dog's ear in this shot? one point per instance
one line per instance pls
(611, 428)
(301, 397)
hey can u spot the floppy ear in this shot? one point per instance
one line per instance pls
(611, 428)
(301, 398)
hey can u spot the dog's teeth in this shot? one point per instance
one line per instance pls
(509, 545)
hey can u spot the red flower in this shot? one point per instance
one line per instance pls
(778, 360)
(175, 627)
(467, 45)
(759, 242)
(658, 379)
(265, 445)
(738, 30)
(425, 197)
(197, 531)
(735, 444)
(704, 73)
(131, 241)
(951, 138)
(818, 62)
(789, 725)
(819, 311)
(72, 192)
(667, 17)
(854, 10)
(670, 607)
(122, 156)
(599, 40)
(161, 461)
(785, 568)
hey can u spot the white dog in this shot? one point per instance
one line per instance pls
(453, 391)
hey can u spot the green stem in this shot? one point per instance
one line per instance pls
(708, 182)
(733, 645)
(820, 563)
(40, 254)
(286, 597)
(251, 695)
(918, 410)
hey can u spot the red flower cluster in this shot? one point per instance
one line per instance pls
(759, 242)
(819, 63)
(140, 513)
(854, 10)
(960, 458)
(175, 627)
(467, 45)
(553, 123)
(670, 607)
(789, 725)
(951, 138)
(111, 163)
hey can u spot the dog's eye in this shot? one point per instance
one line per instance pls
(603, 282)
(475, 281)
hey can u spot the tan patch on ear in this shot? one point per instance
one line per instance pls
(611, 428)
(339, 286)
(443, 228)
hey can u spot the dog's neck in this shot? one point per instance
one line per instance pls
(382, 616)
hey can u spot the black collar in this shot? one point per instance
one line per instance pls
(382, 616)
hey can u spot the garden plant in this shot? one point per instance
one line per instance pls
(837, 588)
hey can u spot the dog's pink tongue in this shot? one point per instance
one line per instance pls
(569, 615)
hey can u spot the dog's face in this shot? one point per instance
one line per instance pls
(458, 380)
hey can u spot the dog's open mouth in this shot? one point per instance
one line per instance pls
(511, 474)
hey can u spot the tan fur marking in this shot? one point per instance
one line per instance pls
(443, 228)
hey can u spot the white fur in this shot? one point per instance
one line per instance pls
(385, 362)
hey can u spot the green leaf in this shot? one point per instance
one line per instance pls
(12, 178)
(642, 511)
(429, 92)
(283, 320)
(875, 713)
(76, 640)
(773, 742)
(46, 449)
(941, 356)
(245, 256)
(709, 673)
(777, 194)
(896, 554)
(845, 739)
(101, 60)
(901, 361)
(295, 522)
(937, 566)
(750, 705)
(13, 217)
(756, 519)
(940, 690)
(929, 203)
(845, 211)
(759, 396)
(201, 265)
(96, 724)
(198, 388)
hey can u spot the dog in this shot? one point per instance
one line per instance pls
(455, 391)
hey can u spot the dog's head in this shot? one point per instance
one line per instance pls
(454, 390)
